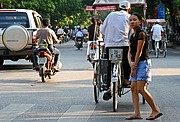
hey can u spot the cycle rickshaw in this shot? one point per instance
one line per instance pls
(115, 56)
(158, 50)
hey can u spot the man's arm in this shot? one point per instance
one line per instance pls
(104, 25)
(162, 30)
(37, 37)
(55, 37)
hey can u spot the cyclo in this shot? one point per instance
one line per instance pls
(115, 57)
(158, 50)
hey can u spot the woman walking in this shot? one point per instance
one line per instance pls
(140, 69)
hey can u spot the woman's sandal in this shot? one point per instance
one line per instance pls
(155, 117)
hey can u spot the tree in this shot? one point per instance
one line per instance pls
(173, 6)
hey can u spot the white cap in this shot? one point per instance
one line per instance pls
(157, 21)
(124, 4)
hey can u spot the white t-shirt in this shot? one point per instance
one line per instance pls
(60, 31)
(84, 31)
(156, 29)
(116, 28)
(79, 34)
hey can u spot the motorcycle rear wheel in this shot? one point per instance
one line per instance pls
(43, 76)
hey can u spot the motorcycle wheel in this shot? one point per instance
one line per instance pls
(43, 77)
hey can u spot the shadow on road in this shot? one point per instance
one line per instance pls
(15, 67)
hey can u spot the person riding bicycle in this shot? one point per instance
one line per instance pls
(47, 34)
(156, 31)
(115, 30)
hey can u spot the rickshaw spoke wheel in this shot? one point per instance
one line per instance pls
(115, 96)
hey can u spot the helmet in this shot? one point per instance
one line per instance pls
(78, 27)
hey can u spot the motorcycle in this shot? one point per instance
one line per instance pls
(79, 41)
(46, 59)
(65, 38)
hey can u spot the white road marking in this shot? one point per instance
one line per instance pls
(10, 112)
(77, 113)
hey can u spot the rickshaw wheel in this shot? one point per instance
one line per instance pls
(97, 86)
(157, 53)
(115, 96)
(96, 91)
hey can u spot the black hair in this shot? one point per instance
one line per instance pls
(46, 21)
(79, 29)
(93, 20)
(99, 22)
(138, 15)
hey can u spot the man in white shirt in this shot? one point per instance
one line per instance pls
(79, 34)
(156, 36)
(115, 30)
(60, 32)
(84, 30)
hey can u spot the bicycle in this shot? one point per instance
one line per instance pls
(164, 46)
(117, 78)
(100, 75)
(100, 72)
(162, 49)
(115, 56)
(157, 47)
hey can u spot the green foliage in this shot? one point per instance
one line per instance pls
(72, 12)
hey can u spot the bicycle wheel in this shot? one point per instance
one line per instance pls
(157, 53)
(96, 93)
(115, 96)
(165, 50)
(157, 49)
(97, 85)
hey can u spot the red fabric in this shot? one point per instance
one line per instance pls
(90, 8)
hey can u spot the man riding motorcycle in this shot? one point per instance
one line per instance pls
(48, 35)
(79, 34)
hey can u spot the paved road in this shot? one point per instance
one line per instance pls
(68, 96)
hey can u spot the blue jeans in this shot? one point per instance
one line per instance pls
(143, 72)
(52, 50)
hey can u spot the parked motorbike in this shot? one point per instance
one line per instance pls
(46, 59)
(79, 42)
